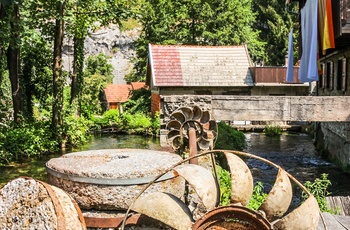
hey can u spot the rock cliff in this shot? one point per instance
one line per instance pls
(118, 45)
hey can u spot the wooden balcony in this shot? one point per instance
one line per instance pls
(272, 74)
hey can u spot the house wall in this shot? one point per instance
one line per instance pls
(155, 103)
(333, 138)
(205, 90)
(265, 90)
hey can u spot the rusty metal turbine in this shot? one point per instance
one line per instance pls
(185, 118)
(271, 214)
(172, 211)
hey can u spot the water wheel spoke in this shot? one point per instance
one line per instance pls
(241, 179)
(278, 200)
(203, 183)
(165, 208)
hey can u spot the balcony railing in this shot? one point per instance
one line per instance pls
(272, 74)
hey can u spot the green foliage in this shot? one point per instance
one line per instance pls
(137, 123)
(140, 101)
(225, 185)
(129, 24)
(258, 196)
(98, 64)
(225, 22)
(156, 124)
(76, 130)
(229, 138)
(112, 117)
(97, 75)
(27, 139)
(272, 130)
(318, 189)
(274, 22)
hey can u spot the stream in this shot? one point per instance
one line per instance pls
(294, 152)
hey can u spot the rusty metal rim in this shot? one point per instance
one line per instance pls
(61, 221)
(106, 181)
(240, 213)
(115, 222)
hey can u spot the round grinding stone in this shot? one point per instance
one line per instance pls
(109, 179)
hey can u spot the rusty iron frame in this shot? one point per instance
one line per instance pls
(239, 153)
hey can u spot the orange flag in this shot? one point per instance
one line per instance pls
(326, 25)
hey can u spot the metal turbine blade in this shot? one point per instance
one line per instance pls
(306, 216)
(203, 144)
(173, 125)
(279, 198)
(203, 183)
(166, 208)
(205, 117)
(197, 113)
(187, 112)
(241, 179)
(179, 116)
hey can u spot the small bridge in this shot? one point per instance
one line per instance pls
(266, 108)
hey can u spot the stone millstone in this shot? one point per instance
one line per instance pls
(27, 204)
(98, 179)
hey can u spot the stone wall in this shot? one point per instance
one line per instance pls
(333, 138)
(333, 141)
(169, 104)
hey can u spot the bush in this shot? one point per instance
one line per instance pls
(27, 139)
(229, 138)
(272, 130)
(318, 189)
(76, 130)
(225, 185)
(258, 196)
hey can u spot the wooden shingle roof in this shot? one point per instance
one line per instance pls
(192, 66)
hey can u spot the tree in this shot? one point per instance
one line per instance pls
(198, 22)
(57, 80)
(12, 54)
(2, 43)
(35, 71)
(87, 16)
(274, 22)
(97, 75)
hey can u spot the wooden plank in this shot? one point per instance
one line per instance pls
(339, 204)
(343, 220)
(331, 223)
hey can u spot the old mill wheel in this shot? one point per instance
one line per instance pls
(185, 118)
(272, 214)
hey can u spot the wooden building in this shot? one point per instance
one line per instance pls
(116, 94)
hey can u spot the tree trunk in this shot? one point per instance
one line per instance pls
(2, 15)
(13, 63)
(77, 76)
(58, 82)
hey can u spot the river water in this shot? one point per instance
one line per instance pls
(294, 152)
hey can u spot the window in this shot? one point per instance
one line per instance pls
(322, 76)
(339, 74)
(329, 75)
(344, 74)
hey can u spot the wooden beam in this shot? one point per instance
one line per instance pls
(281, 108)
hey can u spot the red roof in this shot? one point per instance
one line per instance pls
(137, 85)
(198, 66)
(121, 92)
(117, 93)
